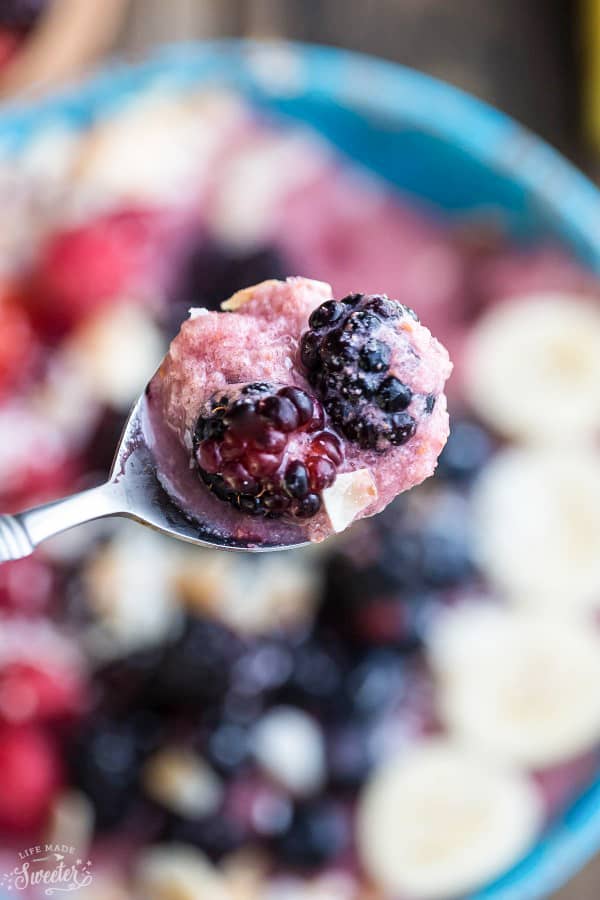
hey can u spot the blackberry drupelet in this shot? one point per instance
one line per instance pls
(263, 449)
(347, 354)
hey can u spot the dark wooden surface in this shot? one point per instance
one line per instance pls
(520, 55)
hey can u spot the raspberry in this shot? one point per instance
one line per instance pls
(27, 587)
(10, 41)
(30, 692)
(18, 346)
(30, 777)
(347, 353)
(85, 268)
(263, 448)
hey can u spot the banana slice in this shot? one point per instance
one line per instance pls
(536, 525)
(519, 688)
(533, 368)
(439, 821)
(255, 180)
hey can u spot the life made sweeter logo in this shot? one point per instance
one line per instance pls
(47, 869)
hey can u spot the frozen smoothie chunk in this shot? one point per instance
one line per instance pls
(297, 413)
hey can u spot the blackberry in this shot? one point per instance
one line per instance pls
(386, 578)
(209, 272)
(105, 758)
(263, 449)
(316, 677)
(376, 682)
(228, 747)
(196, 669)
(347, 356)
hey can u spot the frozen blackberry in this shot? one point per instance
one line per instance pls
(262, 448)
(348, 355)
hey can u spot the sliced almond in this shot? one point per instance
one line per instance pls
(240, 298)
(182, 782)
(178, 872)
(348, 496)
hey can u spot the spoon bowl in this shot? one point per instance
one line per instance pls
(133, 491)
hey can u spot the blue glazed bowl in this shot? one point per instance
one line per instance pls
(431, 141)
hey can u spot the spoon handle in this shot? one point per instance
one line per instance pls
(20, 534)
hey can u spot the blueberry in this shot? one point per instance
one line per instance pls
(349, 757)
(467, 450)
(377, 682)
(446, 560)
(228, 746)
(264, 667)
(216, 835)
(317, 671)
(317, 834)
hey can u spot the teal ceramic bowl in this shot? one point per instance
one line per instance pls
(431, 141)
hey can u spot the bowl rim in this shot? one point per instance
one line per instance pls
(492, 137)
(387, 88)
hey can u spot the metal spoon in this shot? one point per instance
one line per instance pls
(132, 490)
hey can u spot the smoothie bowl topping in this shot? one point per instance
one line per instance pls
(291, 405)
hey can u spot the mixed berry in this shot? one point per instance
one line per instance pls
(347, 355)
(350, 660)
(264, 449)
